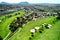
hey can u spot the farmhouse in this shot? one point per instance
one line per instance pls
(46, 25)
(49, 25)
(37, 28)
(32, 30)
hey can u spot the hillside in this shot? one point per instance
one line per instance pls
(48, 34)
(4, 29)
(17, 21)
(52, 33)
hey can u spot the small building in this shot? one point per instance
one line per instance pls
(37, 28)
(32, 30)
(34, 19)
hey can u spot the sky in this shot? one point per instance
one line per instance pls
(32, 1)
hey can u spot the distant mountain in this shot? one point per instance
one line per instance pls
(23, 3)
(48, 4)
(4, 3)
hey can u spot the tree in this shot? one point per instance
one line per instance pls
(1, 38)
(58, 17)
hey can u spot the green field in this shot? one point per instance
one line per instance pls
(4, 30)
(48, 34)
(24, 33)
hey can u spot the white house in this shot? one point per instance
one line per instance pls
(49, 25)
(37, 28)
(32, 30)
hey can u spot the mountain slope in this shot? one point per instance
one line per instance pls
(24, 3)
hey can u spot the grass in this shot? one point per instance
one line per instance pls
(4, 30)
(50, 34)
(24, 33)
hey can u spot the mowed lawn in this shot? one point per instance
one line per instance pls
(48, 34)
(4, 30)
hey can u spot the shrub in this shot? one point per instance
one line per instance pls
(40, 31)
(32, 35)
(8, 16)
(30, 38)
(18, 13)
(58, 17)
(1, 38)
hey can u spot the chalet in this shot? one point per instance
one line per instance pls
(32, 30)
(37, 28)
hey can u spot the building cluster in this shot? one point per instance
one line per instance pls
(39, 29)
(19, 21)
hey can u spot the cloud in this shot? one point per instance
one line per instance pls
(32, 1)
